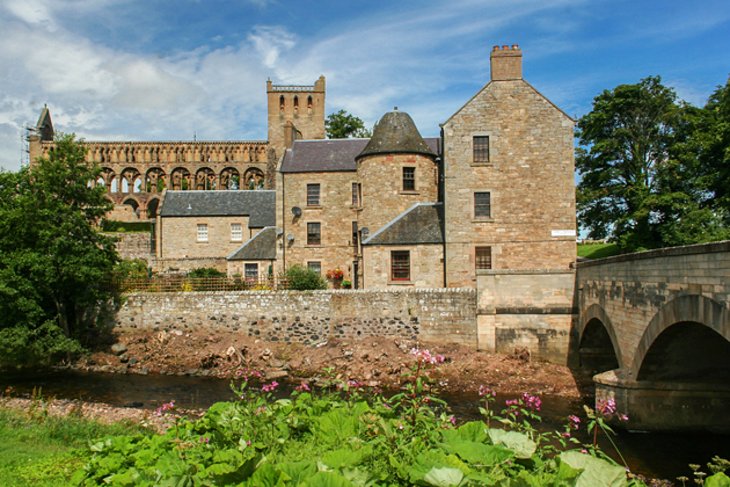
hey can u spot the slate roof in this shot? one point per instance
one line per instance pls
(396, 133)
(420, 224)
(331, 155)
(261, 246)
(259, 205)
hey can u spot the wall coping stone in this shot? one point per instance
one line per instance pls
(703, 248)
(522, 272)
(322, 292)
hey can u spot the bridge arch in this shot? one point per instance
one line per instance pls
(596, 328)
(688, 309)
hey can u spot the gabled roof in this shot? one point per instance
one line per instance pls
(331, 155)
(261, 246)
(485, 87)
(420, 224)
(258, 205)
(396, 133)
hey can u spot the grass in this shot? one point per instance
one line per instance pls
(41, 450)
(597, 250)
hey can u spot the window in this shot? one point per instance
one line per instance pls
(356, 194)
(314, 233)
(400, 265)
(354, 234)
(409, 179)
(481, 149)
(251, 272)
(236, 232)
(313, 194)
(315, 266)
(202, 232)
(482, 205)
(483, 257)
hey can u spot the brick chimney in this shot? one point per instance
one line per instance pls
(506, 62)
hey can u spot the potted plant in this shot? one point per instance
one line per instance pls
(335, 275)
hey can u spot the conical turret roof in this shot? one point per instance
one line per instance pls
(396, 133)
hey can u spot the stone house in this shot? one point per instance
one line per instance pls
(217, 229)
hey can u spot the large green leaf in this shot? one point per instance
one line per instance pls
(478, 453)
(596, 472)
(717, 480)
(443, 477)
(328, 479)
(519, 443)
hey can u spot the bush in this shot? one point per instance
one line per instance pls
(206, 272)
(131, 269)
(22, 346)
(304, 279)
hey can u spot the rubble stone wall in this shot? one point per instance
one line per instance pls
(427, 315)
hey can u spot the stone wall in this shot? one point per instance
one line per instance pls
(136, 245)
(178, 237)
(426, 266)
(530, 310)
(427, 315)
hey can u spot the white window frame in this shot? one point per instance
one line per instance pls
(236, 232)
(202, 233)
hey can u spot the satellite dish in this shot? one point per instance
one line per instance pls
(290, 237)
(365, 230)
(296, 211)
(279, 232)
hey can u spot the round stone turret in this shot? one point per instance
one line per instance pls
(396, 169)
(396, 133)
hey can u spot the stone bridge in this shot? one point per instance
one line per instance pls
(655, 326)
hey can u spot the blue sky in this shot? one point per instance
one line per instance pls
(168, 69)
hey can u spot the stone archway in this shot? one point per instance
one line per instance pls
(253, 178)
(180, 179)
(684, 309)
(596, 314)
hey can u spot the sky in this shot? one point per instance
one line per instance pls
(179, 69)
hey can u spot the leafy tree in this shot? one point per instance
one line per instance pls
(206, 272)
(711, 137)
(639, 184)
(53, 259)
(342, 125)
(304, 279)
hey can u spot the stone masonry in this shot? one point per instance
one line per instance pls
(427, 315)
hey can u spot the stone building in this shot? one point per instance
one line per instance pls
(136, 173)
(490, 204)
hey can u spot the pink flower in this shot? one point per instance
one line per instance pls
(606, 407)
(452, 420)
(168, 406)
(270, 387)
(303, 387)
(623, 417)
(204, 439)
(531, 402)
(486, 391)
(425, 356)
(574, 422)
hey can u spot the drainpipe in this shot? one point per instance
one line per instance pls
(442, 193)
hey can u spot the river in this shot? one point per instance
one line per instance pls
(655, 455)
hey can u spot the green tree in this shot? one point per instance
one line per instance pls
(53, 259)
(625, 146)
(303, 279)
(342, 125)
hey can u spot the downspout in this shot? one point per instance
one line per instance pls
(283, 220)
(442, 198)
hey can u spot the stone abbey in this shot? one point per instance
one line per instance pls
(489, 203)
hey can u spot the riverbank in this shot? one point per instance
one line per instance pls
(376, 362)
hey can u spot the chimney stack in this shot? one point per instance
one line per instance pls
(506, 63)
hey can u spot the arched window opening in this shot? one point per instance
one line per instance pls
(133, 205)
(296, 103)
(152, 207)
(310, 104)
(282, 103)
